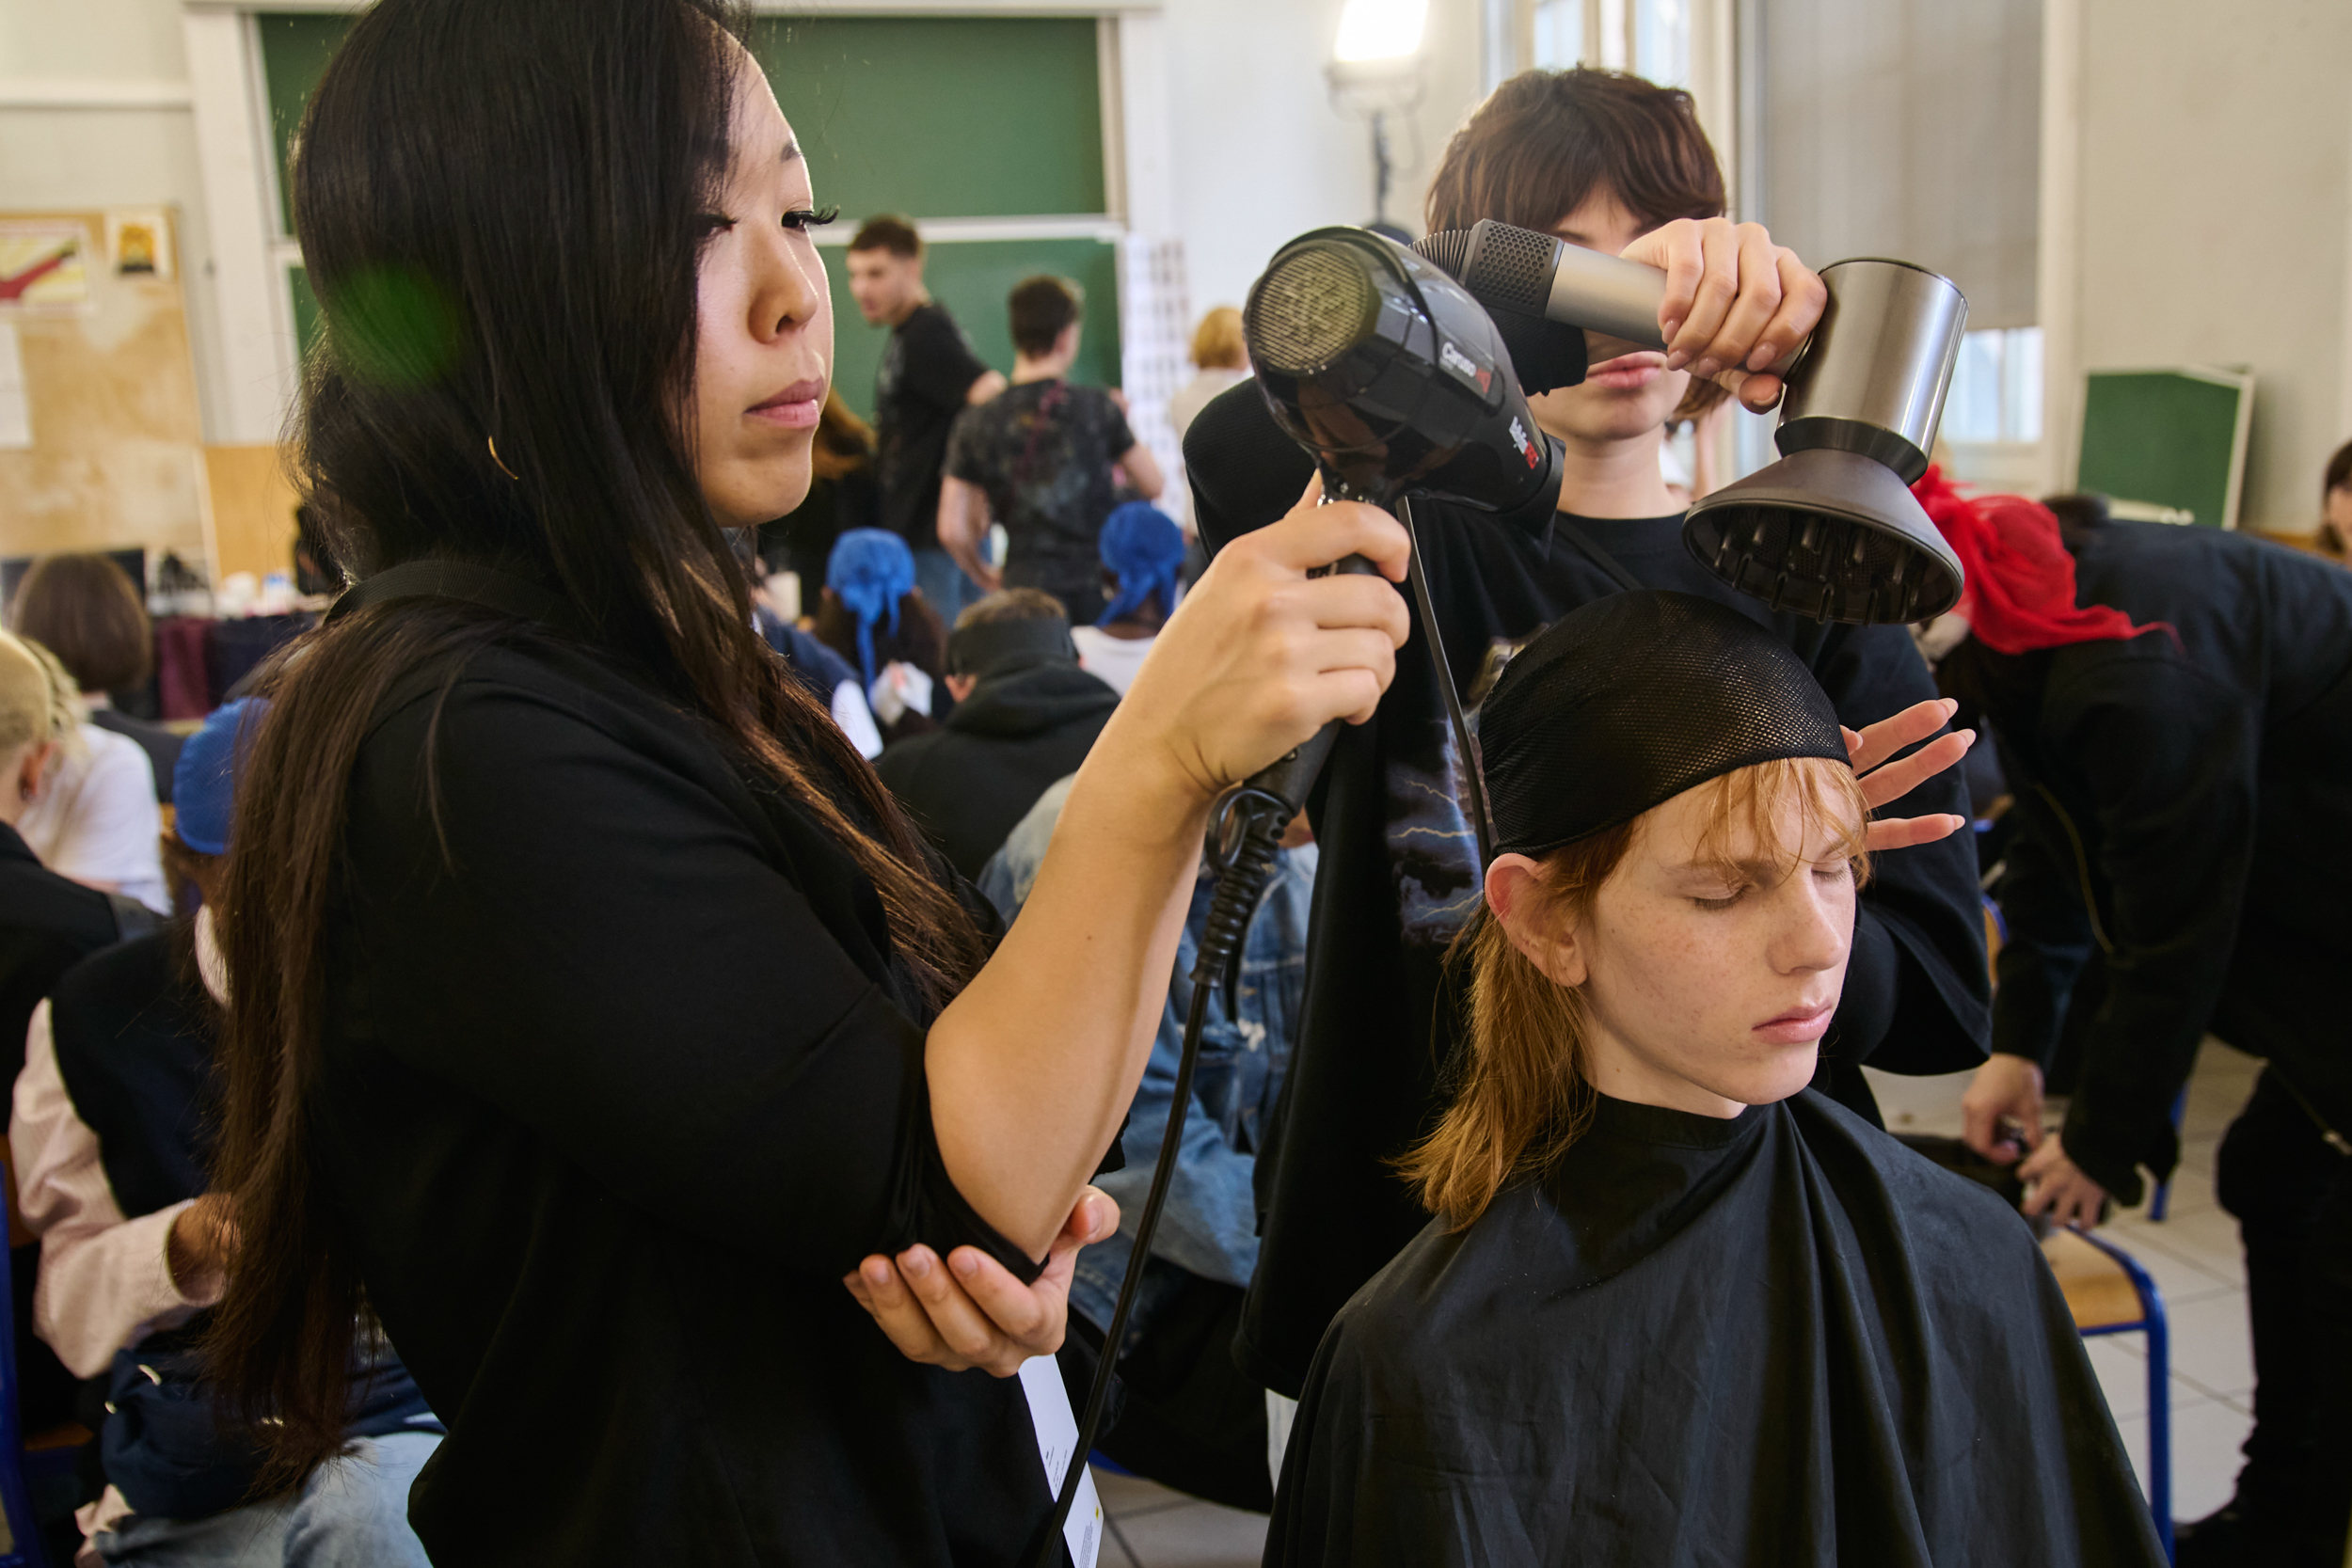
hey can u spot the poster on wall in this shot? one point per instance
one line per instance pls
(44, 268)
(138, 242)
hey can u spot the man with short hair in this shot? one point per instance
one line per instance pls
(929, 376)
(1025, 715)
(1040, 460)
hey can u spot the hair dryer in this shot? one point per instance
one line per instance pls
(1831, 530)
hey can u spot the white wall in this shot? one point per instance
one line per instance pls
(122, 155)
(2206, 217)
(1260, 152)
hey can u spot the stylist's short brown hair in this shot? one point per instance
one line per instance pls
(86, 609)
(1042, 308)
(1546, 140)
(888, 232)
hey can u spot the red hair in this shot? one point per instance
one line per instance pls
(2020, 591)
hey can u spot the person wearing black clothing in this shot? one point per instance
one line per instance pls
(47, 923)
(1676, 1306)
(1025, 715)
(1043, 459)
(1398, 870)
(603, 1027)
(929, 376)
(111, 1131)
(2175, 721)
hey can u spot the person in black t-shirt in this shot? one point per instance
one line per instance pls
(604, 1031)
(929, 376)
(1040, 460)
(1610, 162)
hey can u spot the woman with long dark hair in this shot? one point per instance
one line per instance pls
(594, 1012)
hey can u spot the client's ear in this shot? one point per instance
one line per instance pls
(1515, 895)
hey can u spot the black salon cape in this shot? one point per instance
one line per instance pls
(1783, 1338)
(620, 1078)
(2185, 801)
(1399, 873)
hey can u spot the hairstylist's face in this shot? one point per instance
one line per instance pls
(1628, 396)
(765, 350)
(1709, 988)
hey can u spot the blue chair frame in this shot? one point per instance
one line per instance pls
(16, 1498)
(2151, 1323)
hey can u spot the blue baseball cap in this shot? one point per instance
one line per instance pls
(204, 783)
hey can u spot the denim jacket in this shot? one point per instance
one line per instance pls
(1210, 1226)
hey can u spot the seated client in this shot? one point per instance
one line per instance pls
(1678, 1308)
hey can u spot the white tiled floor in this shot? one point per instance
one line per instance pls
(2192, 1255)
(1152, 1526)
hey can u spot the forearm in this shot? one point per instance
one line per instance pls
(963, 523)
(1032, 1066)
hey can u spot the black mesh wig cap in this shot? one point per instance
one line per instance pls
(1624, 704)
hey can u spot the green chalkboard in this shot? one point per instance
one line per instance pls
(2175, 439)
(943, 117)
(973, 280)
(936, 116)
(294, 52)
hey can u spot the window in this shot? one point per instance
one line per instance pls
(1996, 389)
(1649, 37)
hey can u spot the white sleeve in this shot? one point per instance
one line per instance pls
(112, 827)
(105, 1283)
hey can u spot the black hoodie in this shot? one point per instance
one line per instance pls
(969, 782)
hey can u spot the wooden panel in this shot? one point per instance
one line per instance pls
(111, 389)
(248, 512)
(2098, 1291)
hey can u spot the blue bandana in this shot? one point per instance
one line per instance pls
(1145, 551)
(870, 570)
(204, 782)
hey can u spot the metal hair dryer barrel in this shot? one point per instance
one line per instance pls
(1872, 378)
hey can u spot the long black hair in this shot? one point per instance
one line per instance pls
(500, 204)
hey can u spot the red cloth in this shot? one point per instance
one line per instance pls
(2020, 591)
(181, 685)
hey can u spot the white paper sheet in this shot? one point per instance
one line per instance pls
(1056, 1435)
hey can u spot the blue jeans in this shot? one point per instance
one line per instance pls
(945, 587)
(351, 1513)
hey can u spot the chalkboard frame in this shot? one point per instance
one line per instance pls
(2102, 452)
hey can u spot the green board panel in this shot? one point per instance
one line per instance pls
(973, 280)
(938, 117)
(308, 319)
(943, 117)
(294, 52)
(2165, 437)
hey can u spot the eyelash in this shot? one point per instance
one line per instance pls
(800, 220)
(1837, 872)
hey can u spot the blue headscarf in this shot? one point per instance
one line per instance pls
(870, 570)
(204, 780)
(1145, 549)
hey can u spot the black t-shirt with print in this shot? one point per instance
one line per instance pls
(1043, 453)
(926, 371)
